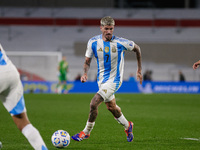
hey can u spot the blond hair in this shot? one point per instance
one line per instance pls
(107, 21)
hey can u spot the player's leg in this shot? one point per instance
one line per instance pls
(12, 97)
(116, 111)
(29, 131)
(21, 120)
(59, 86)
(107, 91)
(65, 86)
(95, 102)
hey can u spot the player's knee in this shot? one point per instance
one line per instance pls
(96, 101)
(113, 108)
(93, 106)
(110, 108)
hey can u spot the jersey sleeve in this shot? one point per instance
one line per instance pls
(89, 51)
(3, 57)
(129, 45)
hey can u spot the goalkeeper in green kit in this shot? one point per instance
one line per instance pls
(63, 69)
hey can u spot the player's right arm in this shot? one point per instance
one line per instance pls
(88, 58)
(85, 69)
(196, 65)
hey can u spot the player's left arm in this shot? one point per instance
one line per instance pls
(196, 65)
(137, 50)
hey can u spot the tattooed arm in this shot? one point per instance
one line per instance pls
(85, 69)
(137, 50)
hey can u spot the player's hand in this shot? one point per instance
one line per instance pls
(139, 76)
(196, 65)
(84, 78)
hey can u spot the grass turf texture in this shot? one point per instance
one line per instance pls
(161, 121)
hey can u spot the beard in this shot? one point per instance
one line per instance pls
(108, 37)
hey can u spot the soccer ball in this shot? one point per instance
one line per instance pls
(60, 139)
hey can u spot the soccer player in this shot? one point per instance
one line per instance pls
(109, 53)
(196, 65)
(63, 69)
(11, 94)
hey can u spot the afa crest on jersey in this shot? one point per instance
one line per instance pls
(106, 49)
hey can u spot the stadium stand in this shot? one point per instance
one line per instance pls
(67, 30)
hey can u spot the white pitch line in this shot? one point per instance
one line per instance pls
(192, 139)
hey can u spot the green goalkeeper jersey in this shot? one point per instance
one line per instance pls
(63, 66)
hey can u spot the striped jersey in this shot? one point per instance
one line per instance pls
(109, 56)
(5, 63)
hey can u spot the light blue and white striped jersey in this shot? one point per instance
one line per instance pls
(109, 57)
(5, 63)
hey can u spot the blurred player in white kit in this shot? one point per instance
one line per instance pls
(11, 95)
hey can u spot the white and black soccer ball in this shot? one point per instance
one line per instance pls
(60, 139)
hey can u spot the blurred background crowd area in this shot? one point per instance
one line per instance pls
(37, 33)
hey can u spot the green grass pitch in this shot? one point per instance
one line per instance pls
(161, 122)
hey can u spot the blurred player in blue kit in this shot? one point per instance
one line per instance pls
(11, 94)
(109, 53)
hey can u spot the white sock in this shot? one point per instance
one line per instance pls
(88, 127)
(122, 120)
(34, 137)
